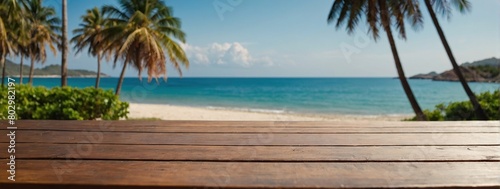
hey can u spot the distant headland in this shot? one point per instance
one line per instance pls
(487, 70)
(49, 71)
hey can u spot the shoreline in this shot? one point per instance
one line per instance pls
(175, 112)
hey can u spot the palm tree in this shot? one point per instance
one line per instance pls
(379, 13)
(5, 45)
(44, 25)
(144, 34)
(22, 41)
(90, 36)
(64, 45)
(9, 16)
(444, 7)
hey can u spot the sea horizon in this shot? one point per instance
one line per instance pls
(296, 95)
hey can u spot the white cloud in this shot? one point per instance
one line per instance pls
(224, 53)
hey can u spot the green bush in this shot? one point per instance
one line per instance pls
(459, 111)
(65, 103)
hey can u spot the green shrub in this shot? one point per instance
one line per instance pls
(65, 103)
(459, 111)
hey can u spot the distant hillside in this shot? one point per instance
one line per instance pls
(12, 69)
(487, 70)
(486, 62)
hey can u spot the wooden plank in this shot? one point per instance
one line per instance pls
(135, 174)
(255, 153)
(258, 129)
(267, 139)
(23, 123)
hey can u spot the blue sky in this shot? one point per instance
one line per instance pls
(291, 38)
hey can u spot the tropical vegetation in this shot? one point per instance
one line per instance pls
(444, 7)
(392, 13)
(89, 35)
(9, 27)
(43, 28)
(142, 34)
(65, 103)
(464, 110)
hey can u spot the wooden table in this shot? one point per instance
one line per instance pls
(174, 154)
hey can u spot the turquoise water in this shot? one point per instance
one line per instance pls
(361, 96)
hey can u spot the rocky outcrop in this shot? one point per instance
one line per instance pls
(487, 70)
(469, 74)
(425, 76)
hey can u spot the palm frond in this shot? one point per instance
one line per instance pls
(142, 34)
(350, 13)
(445, 7)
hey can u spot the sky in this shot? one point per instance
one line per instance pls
(291, 38)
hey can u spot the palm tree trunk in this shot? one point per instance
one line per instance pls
(404, 82)
(21, 70)
(32, 71)
(120, 82)
(64, 51)
(98, 70)
(2, 61)
(481, 115)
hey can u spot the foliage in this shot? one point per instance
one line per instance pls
(488, 71)
(65, 103)
(146, 35)
(89, 33)
(44, 29)
(459, 111)
(350, 13)
(9, 22)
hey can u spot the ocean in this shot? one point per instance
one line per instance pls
(352, 96)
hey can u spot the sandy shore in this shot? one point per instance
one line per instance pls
(170, 112)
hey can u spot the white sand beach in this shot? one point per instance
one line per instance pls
(170, 112)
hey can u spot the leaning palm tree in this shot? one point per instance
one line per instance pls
(43, 28)
(381, 13)
(90, 36)
(144, 34)
(444, 7)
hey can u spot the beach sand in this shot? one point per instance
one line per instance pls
(170, 112)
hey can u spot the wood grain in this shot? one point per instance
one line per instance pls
(247, 154)
(256, 153)
(267, 139)
(256, 175)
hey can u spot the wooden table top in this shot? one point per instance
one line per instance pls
(238, 154)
